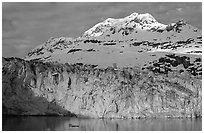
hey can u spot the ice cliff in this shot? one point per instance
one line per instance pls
(37, 88)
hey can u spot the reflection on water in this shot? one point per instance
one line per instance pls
(66, 123)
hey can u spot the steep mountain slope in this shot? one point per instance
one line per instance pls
(132, 67)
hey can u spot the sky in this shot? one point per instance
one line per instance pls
(27, 25)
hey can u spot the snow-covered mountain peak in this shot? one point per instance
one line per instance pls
(146, 18)
(136, 21)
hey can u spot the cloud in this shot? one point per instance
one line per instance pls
(26, 25)
(7, 24)
(18, 48)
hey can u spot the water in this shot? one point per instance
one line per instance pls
(65, 123)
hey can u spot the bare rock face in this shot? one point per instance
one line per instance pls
(37, 88)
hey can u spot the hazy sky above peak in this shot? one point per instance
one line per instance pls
(26, 25)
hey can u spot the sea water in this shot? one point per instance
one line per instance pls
(56, 123)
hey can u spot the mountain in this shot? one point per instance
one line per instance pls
(132, 67)
(124, 41)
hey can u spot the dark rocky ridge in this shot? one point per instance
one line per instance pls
(37, 88)
(181, 63)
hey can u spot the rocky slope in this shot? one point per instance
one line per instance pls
(133, 67)
(37, 88)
